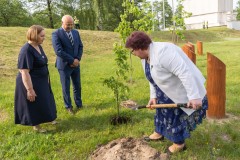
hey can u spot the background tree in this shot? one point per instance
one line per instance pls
(39, 17)
(70, 6)
(86, 14)
(11, 11)
(92, 14)
(110, 18)
(100, 13)
(158, 12)
(84, 10)
(238, 10)
(44, 10)
(135, 17)
(178, 22)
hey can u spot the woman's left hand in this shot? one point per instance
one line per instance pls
(195, 104)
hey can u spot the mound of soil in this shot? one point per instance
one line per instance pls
(126, 149)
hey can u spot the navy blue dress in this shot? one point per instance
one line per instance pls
(174, 123)
(43, 109)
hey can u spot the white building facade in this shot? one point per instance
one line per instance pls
(210, 13)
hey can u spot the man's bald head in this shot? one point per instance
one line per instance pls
(67, 18)
(67, 22)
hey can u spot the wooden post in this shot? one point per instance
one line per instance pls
(192, 47)
(199, 48)
(192, 54)
(216, 84)
(185, 49)
(189, 50)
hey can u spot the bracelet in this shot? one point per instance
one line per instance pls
(29, 89)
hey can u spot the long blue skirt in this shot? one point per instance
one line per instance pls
(174, 123)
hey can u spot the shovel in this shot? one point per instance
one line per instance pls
(133, 105)
(162, 106)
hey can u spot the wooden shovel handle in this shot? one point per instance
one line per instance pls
(169, 105)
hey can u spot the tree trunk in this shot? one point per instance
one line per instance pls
(50, 13)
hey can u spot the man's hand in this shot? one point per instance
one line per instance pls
(75, 63)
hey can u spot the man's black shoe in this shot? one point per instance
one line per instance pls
(78, 108)
(70, 110)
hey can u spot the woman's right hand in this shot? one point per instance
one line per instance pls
(31, 95)
(27, 81)
(151, 102)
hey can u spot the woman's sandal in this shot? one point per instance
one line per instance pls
(39, 129)
(176, 151)
(54, 122)
(148, 139)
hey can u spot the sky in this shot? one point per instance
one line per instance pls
(235, 3)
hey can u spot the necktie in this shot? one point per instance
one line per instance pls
(71, 38)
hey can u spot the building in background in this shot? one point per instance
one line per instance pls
(210, 13)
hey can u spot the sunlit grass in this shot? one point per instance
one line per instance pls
(75, 137)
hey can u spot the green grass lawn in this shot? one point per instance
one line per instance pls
(75, 137)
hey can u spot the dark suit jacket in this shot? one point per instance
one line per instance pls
(66, 53)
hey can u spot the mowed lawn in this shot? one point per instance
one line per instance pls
(75, 137)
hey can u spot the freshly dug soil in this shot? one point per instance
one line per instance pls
(126, 149)
(116, 120)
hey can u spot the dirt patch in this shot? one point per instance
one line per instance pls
(127, 149)
(3, 116)
(226, 138)
(227, 119)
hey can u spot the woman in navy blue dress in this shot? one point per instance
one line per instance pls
(34, 101)
(173, 78)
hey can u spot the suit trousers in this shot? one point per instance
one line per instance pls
(65, 76)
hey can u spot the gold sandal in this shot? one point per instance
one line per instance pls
(54, 122)
(39, 129)
(152, 137)
(176, 150)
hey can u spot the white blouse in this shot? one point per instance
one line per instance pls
(174, 73)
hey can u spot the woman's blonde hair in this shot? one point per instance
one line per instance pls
(33, 31)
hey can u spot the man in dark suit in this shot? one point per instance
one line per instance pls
(68, 47)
